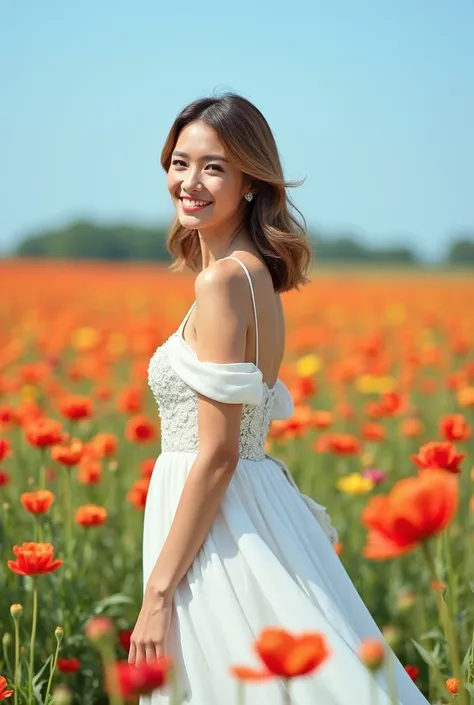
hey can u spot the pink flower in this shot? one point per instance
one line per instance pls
(377, 476)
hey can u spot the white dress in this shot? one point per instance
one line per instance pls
(266, 561)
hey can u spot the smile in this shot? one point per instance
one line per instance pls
(193, 204)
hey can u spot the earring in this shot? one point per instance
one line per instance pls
(249, 196)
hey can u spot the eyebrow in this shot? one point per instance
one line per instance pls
(216, 157)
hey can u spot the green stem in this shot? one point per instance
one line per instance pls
(447, 627)
(42, 481)
(374, 690)
(389, 667)
(240, 693)
(108, 660)
(52, 670)
(286, 692)
(33, 640)
(16, 677)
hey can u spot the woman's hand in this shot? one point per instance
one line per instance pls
(148, 640)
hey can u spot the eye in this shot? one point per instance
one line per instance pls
(178, 162)
(215, 166)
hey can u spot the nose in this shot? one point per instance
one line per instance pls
(191, 182)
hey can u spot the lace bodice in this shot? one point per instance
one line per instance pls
(177, 403)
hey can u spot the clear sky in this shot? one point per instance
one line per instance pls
(372, 102)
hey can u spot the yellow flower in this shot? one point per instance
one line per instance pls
(28, 392)
(395, 314)
(369, 384)
(355, 484)
(85, 338)
(308, 365)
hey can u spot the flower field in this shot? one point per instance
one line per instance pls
(381, 367)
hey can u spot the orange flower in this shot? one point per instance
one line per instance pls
(4, 691)
(416, 509)
(104, 445)
(465, 396)
(372, 653)
(343, 444)
(438, 456)
(452, 685)
(138, 493)
(43, 432)
(89, 471)
(322, 419)
(5, 450)
(38, 502)
(68, 453)
(91, 515)
(411, 428)
(76, 407)
(130, 400)
(373, 432)
(34, 559)
(146, 467)
(285, 655)
(139, 429)
(454, 427)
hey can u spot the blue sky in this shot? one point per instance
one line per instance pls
(371, 102)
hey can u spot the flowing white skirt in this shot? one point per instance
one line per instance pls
(266, 562)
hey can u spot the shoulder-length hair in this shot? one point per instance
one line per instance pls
(276, 226)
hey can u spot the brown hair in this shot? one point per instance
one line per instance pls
(276, 226)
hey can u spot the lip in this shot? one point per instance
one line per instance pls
(193, 209)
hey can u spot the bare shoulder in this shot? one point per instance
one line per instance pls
(223, 283)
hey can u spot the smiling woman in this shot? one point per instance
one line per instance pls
(219, 153)
(230, 546)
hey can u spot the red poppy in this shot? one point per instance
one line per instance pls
(454, 427)
(438, 456)
(5, 450)
(416, 509)
(4, 478)
(343, 444)
(130, 400)
(89, 471)
(103, 445)
(412, 428)
(68, 665)
(138, 494)
(124, 638)
(91, 515)
(34, 559)
(68, 453)
(137, 679)
(140, 430)
(76, 407)
(38, 502)
(285, 655)
(321, 419)
(146, 467)
(452, 685)
(5, 692)
(413, 672)
(43, 432)
(373, 432)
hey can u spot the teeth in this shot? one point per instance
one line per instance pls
(194, 204)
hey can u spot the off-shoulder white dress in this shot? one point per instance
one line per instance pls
(268, 560)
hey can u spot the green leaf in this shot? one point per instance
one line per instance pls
(111, 601)
(425, 655)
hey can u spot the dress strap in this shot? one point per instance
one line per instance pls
(253, 302)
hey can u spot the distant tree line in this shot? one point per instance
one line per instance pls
(88, 240)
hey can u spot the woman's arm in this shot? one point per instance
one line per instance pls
(222, 313)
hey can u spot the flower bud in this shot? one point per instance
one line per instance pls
(99, 627)
(452, 685)
(16, 610)
(406, 600)
(62, 695)
(7, 639)
(372, 654)
(391, 634)
(59, 633)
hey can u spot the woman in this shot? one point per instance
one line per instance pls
(230, 546)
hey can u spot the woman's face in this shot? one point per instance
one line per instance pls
(206, 189)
